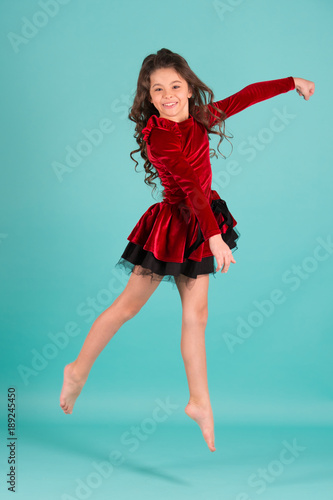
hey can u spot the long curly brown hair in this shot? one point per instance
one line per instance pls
(142, 109)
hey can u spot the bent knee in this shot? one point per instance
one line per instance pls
(129, 309)
(132, 311)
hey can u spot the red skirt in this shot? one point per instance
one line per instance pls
(135, 259)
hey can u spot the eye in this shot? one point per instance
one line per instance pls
(175, 86)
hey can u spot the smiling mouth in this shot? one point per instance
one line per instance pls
(171, 105)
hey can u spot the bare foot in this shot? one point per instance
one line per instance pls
(203, 416)
(71, 388)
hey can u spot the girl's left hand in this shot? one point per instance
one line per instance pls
(304, 88)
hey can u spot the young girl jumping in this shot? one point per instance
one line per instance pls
(176, 239)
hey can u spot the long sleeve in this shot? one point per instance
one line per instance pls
(256, 92)
(165, 150)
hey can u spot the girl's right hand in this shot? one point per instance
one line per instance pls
(221, 252)
(304, 88)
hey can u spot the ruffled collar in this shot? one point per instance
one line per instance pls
(160, 122)
(190, 118)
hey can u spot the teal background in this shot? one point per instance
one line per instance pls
(60, 238)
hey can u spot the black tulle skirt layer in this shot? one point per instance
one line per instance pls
(135, 259)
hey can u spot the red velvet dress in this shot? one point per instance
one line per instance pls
(171, 239)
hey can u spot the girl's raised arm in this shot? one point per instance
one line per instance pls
(260, 91)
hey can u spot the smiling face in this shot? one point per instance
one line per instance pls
(169, 93)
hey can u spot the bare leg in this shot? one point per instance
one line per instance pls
(136, 293)
(194, 320)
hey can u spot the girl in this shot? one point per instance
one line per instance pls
(177, 239)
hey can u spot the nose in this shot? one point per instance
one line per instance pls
(166, 94)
